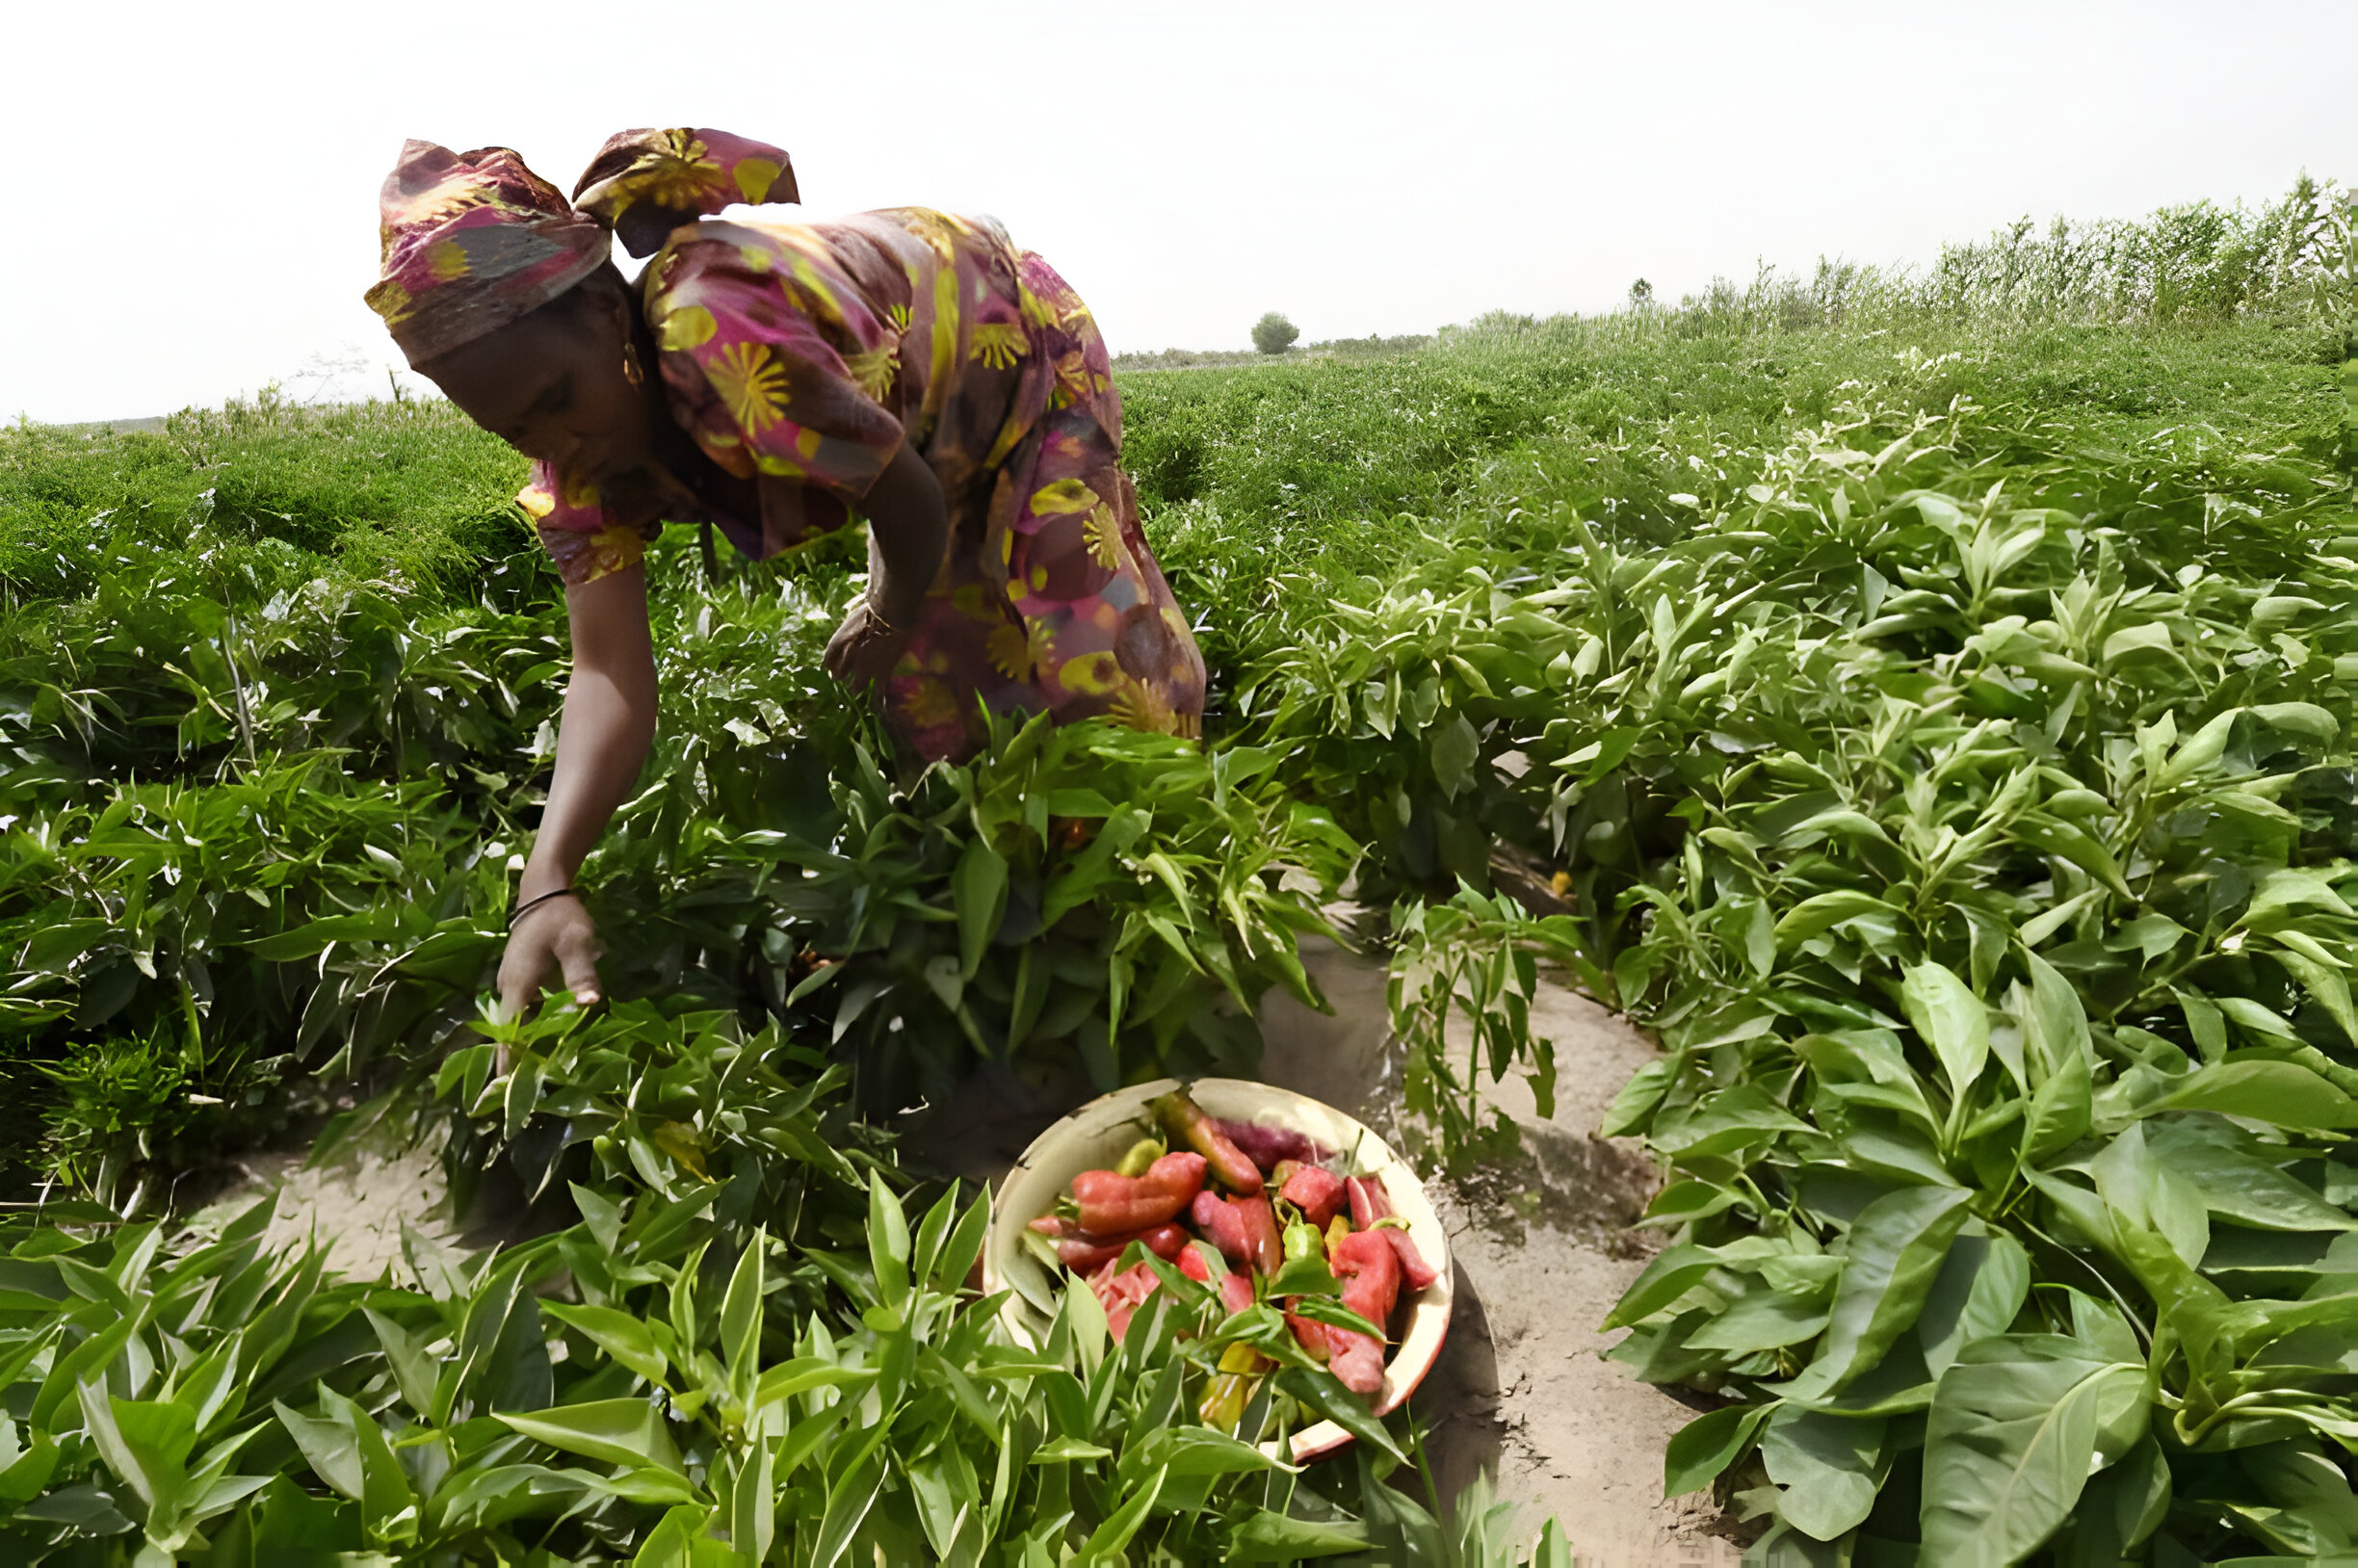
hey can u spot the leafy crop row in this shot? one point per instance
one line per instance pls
(1977, 836)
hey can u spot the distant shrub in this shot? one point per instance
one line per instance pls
(1272, 334)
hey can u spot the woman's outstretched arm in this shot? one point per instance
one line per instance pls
(607, 725)
(908, 527)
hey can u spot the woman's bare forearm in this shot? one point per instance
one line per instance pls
(607, 725)
(909, 524)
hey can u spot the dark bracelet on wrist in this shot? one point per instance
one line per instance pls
(535, 902)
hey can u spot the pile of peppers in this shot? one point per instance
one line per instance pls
(1231, 1205)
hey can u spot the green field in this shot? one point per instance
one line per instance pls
(1934, 698)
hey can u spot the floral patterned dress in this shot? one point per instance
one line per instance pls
(800, 358)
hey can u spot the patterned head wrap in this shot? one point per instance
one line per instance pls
(475, 240)
(472, 240)
(644, 184)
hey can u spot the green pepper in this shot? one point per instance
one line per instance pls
(1303, 1241)
(1143, 1153)
(1183, 1119)
(1226, 1393)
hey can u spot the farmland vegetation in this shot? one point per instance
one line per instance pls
(1934, 694)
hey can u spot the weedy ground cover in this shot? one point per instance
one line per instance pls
(1937, 707)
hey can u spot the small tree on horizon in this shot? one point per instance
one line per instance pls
(1272, 334)
(1641, 295)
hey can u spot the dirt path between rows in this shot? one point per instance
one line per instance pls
(1542, 1251)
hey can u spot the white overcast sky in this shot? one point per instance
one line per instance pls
(193, 207)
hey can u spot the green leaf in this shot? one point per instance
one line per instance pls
(2241, 1185)
(329, 1448)
(1202, 1450)
(147, 1445)
(2120, 1508)
(2014, 1430)
(1981, 1288)
(1824, 911)
(2151, 1194)
(2200, 750)
(629, 1340)
(1825, 1467)
(1305, 1276)
(1761, 1320)
(1060, 1451)
(1633, 1108)
(2303, 718)
(413, 1369)
(2055, 1024)
(980, 888)
(2061, 1112)
(1950, 1019)
(1897, 1248)
(2280, 1093)
(740, 1318)
(1276, 1537)
(888, 1243)
(1328, 1397)
(620, 1431)
(1111, 1538)
(1706, 1445)
(384, 1487)
(1670, 1274)
(1454, 747)
(753, 1503)
(963, 1246)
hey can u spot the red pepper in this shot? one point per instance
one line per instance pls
(1267, 1146)
(1370, 1273)
(1183, 1119)
(1317, 1192)
(1218, 1222)
(1352, 1356)
(1261, 1232)
(1123, 1293)
(1415, 1272)
(1355, 1359)
(1117, 1205)
(1236, 1291)
(1368, 1202)
(1086, 1254)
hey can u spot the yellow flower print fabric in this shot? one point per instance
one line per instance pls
(800, 358)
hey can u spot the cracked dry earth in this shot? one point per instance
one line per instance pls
(1542, 1249)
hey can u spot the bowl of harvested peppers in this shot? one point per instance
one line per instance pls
(1285, 1223)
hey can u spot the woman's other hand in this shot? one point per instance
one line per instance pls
(557, 935)
(864, 648)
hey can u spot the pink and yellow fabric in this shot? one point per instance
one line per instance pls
(644, 184)
(471, 241)
(800, 357)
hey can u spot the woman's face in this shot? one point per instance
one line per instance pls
(552, 385)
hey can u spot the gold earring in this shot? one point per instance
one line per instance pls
(630, 371)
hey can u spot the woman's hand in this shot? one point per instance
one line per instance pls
(864, 648)
(558, 935)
